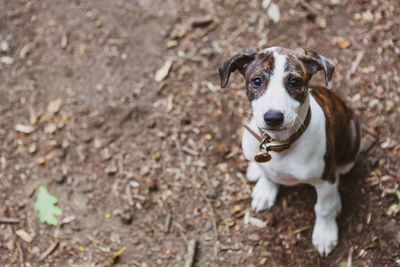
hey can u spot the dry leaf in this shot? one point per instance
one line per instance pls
(344, 44)
(24, 235)
(54, 106)
(26, 129)
(50, 128)
(274, 13)
(163, 72)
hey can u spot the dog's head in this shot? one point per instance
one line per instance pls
(277, 83)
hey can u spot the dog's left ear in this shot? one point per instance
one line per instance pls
(315, 62)
(238, 62)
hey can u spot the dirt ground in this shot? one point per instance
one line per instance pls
(148, 166)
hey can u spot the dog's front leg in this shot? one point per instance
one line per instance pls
(264, 193)
(325, 234)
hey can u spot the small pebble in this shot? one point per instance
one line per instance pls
(151, 185)
(59, 178)
(7, 60)
(202, 21)
(126, 218)
(111, 168)
(254, 237)
(105, 154)
(68, 219)
(50, 128)
(359, 228)
(211, 193)
(23, 128)
(151, 124)
(134, 184)
(32, 148)
(223, 149)
(4, 46)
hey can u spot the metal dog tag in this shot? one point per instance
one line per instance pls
(262, 157)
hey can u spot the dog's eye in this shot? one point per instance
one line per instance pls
(295, 82)
(256, 82)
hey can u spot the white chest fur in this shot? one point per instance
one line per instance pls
(303, 162)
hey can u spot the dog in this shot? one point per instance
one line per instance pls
(298, 133)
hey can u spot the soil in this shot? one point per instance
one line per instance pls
(147, 166)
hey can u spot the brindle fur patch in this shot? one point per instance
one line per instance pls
(295, 68)
(262, 67)
(342, 131)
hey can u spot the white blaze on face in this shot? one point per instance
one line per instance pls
(276, 97)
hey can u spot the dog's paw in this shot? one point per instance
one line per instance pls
(325, 236)
(253, 172)
(264, 195)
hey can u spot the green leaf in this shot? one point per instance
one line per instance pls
(396, 192)
(46, 207)
(344, 264)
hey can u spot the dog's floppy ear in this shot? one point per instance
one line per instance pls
(314, 62)
(238, 62)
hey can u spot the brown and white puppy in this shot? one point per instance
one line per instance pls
(277, 84)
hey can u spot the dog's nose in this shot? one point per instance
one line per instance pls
(273, 118)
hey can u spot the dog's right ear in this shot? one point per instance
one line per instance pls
(238, 62)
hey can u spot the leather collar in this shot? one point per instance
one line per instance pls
(268, 144)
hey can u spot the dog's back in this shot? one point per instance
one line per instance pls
(342, 129)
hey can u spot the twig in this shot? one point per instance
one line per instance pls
(140, 197)
(21, 255)
(355, 63)
(191, 253)
(350, 257)
(312, 10)
(224, 248)
(300, 230)
(129, 195)
(206, 178)
(167, 223)
(4, 220)
(189, 151)
(234, 201)
(210, 206)
(121, 163)
(182, 232)
(179, 147)
(367, 130)
(49, 250)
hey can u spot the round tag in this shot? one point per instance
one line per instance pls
(262, 157)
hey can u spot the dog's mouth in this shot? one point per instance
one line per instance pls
(273, 128)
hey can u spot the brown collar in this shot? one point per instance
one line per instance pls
(268, 144)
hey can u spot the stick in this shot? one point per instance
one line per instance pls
(182, 232)
(4, 220)
(312, 10)
(191, 253)
(210, 206)
(167, 223)
(49, 250)
(189, 151)
(300, 230)
(355, 63)
(21, 255)
(121, 163)
(350, 257)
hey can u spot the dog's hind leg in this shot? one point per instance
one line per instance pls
(264, 194)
